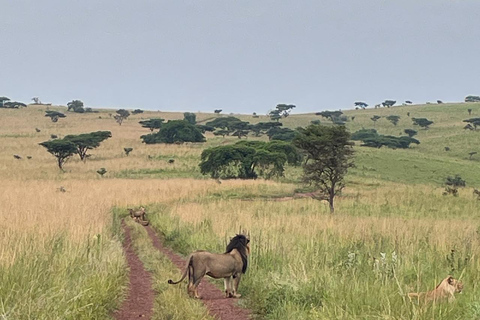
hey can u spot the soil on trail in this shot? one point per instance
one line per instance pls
(139, 300)
(213, 298)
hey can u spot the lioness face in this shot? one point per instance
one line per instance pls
(456, 284)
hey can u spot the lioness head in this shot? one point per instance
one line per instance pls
(454, 284)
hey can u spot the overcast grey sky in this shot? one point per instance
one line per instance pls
(240, 56)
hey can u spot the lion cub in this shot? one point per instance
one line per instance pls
(444, 291)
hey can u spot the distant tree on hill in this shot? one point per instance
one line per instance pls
(331, 115)
(374, 119)
(393, 119)
(473, 121)
(410, 132)
(388, 103)
(137, 111)
(469, 112)
(3, 100)
(76, 106)
(217, 111)
(61, 149)
(467, 99)
(254, 115)
(36, 100)
(152, 124)
(13, 104)
(190, 117)
(231, 124)
(54, 115)
(329, 155)
(408, 102)
(87, 141)
(285, 109)
(121, 115)
(439, 101)
(361, 104)
(127, 150)
(175, 131)
(422, 122)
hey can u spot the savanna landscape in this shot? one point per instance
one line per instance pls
(396, 229)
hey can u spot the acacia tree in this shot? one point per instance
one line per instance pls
(61, 149)
(329, 154)
(410, 132)
(374, 119)
(393, 119)
(190, 117)
(54, 115)
(76, 106)
(121, 115)
(87, 141)
(422, 122)
(3, 100)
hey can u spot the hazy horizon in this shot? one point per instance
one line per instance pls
(241, 57)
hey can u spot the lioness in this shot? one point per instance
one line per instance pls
(444, 290)
(229, 265)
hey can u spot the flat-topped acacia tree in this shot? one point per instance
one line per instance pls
(61, 149)
(87, 141)
(54, 115)
(152, 124)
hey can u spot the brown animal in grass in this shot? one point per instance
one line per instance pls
(444, 291)
(229, 265)
(139, 215)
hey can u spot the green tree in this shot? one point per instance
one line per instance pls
(127, 150)
(217, 111)
(152, 124)
(190, 117)
(374, 119)
(222, 132)
(363, 134)
(410, 132)
(54, 115)
(76, 106)
(275, 115)
(389, 141)
(121, 115)
(282, 134)
(87, 141)
(422, 122)
(388, 103)
(361, 104)
(393, 119)
(61, 149)
(13, 104)
(175, 131)
(137, 111)
(467, 99)
(329, 154)
(330, 114)
(248, 159)
(3, 100)
(474, 121)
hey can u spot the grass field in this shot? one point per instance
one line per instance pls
(393, 231)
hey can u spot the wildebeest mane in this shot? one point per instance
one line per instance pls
(240, 242)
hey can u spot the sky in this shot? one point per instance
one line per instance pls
(239, 56)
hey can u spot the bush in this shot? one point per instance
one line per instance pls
(175, 131)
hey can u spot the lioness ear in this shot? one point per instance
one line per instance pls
(450, 279)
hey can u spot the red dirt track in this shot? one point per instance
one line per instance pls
(139, 301)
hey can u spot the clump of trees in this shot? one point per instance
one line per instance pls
(175, 131)
(137, 111)
(389, 103)
(281, 134)
(54, 115)
(472, 99)
(64, 148)
(7, 104)
(249, 159)
(87, 141)
(217, 111)
(371, 138)
(230, 126)
(329, 155)
(190, 117)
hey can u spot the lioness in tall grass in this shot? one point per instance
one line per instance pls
(229, 265)
(444, 291)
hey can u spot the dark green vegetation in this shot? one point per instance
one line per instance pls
(60, 149)
(54, 115)
(87, 141)
(152, 124)
(175, 131)
(248, 160)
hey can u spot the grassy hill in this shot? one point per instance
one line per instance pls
(393, 233)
